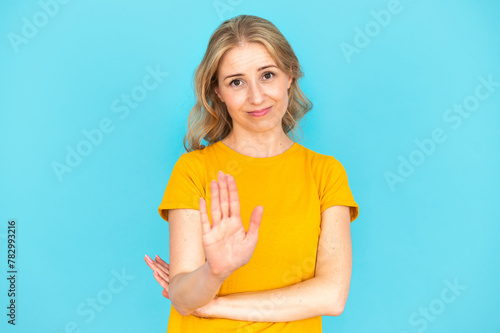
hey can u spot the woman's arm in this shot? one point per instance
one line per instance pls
(191, 282)
(190, 289)
(325, 294)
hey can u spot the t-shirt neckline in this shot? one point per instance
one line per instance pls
(258, 160)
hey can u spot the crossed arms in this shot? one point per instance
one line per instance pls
(196, 270)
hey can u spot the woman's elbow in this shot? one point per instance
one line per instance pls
(183, 311)
(335, 310)
(335, 305)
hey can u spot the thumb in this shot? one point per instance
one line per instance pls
(255, 219)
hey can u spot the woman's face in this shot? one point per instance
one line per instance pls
(250, 80)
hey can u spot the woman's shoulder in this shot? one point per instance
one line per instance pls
(197, 158)
(318, 158)
(188, 158)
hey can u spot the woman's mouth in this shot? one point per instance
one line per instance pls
(260, 113)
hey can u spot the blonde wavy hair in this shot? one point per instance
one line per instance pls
(209, 118)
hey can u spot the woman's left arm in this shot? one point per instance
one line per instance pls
(323, 295)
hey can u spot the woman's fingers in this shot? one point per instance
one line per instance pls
(162, 262)
(163, 282)
(220, 203)
(150, 263)
(255, 218)
(223, 195)
(215, 209)
(205, 222)
(157, 266)
(163, 275)
(162, 265)
(234, 199)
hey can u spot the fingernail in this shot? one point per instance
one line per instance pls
(156, 273)
(157, 257)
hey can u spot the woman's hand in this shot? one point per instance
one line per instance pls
(161, 273)
(226, 243)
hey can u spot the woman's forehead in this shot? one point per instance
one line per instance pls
(249, 57)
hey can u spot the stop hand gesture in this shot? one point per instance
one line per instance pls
(227, 246)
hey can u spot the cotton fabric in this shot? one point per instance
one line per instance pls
(294, 187)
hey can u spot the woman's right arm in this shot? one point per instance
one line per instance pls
(224, 243)
(192, 283)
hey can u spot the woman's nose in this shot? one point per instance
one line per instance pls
(256, 93)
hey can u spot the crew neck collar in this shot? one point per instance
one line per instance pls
(258, 160)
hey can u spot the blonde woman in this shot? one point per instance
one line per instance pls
(259, 225)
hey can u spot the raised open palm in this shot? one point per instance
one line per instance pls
(226, 243)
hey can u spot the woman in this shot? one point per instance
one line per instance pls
(274, 254)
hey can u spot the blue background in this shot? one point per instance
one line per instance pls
(437, 226)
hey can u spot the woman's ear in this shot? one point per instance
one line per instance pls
(290, 78)
(218, 94)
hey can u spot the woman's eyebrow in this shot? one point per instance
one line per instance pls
(260, 69)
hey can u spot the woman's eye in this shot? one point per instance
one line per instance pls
(236, 85)
(267, 75)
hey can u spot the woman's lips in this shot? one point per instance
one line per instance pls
(260, 113)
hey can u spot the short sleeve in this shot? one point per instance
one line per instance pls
(184, 187)
(334, 188)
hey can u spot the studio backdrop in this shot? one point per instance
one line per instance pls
(94, 102)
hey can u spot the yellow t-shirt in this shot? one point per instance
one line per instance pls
(294, 187)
